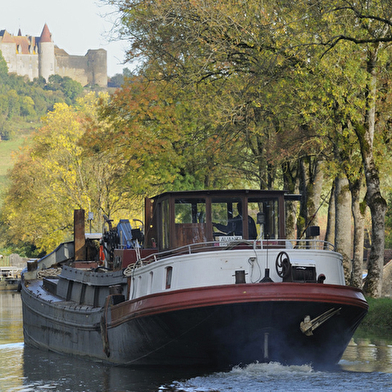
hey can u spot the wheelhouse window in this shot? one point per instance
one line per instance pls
(190, 211)
(226, 216)
(190, 221)
(265, 213)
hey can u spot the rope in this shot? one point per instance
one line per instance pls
(48, 272)
(129, 270)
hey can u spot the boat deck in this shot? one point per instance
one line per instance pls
(35, 287)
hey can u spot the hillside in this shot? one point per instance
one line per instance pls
(7, 149)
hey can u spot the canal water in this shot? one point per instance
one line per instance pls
(366, 365)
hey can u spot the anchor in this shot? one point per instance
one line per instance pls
(308, 326)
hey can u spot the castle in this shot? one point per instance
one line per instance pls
(39, 56)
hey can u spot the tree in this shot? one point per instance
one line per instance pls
(13, 104)
(253, 56)
(118, 79)
(54, 82)
(3, 68)
(59, 172)
(71, 89)
(27, 107)
(366, 24)
(207, 49)
(165, 139)
(68, 86)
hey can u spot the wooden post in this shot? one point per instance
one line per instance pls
(79, 235)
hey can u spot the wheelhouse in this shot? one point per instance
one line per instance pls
(175, 219)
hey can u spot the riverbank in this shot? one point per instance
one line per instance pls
(379, 318)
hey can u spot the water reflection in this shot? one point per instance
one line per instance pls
(11, 341)
(368, 355)
(43, 370)
(25, 368)
(11, 322)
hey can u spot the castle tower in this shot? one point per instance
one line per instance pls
(97, 67)
(46, 59)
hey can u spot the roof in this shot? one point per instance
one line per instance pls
(223, 193)
(60, 52)
(45, 35)
(7, 37)
(25, 44)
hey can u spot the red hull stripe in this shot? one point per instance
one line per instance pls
(170, 301)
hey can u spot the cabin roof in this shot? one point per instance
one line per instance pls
(227, 193)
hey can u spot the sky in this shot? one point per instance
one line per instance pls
(76, 26)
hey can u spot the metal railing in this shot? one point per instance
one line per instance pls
(237, 245)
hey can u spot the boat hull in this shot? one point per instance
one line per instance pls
(218, 326)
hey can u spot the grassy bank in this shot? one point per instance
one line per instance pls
(7, 147)
(378, 321)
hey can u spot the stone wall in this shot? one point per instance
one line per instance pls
(97, 65)
(27, 65)
(74, 67)
(89, 69)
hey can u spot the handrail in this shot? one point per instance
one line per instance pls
(308, 244)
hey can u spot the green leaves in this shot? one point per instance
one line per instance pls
(62, 171)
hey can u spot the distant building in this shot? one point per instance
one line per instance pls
(39, 56)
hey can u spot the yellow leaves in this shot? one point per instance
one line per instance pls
(60, 171)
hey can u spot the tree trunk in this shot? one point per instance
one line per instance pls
(376, 203)
(373, 282)
(311, 184)
(330, 232)
(317, 186)
(290, 180)
(358, 211)
(343, 223)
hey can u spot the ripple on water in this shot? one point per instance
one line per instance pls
(276, 377)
